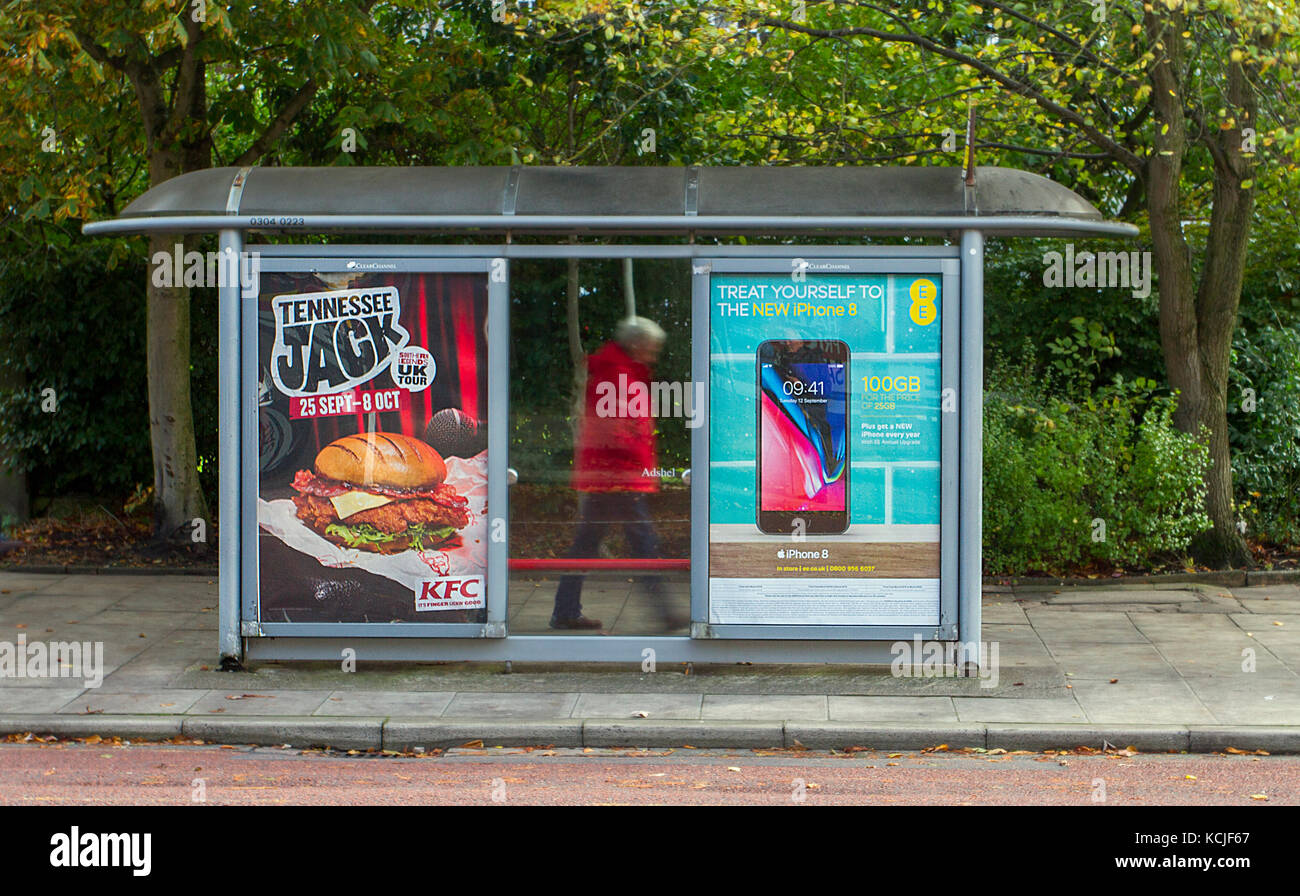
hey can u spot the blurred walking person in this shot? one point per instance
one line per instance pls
(614, 464)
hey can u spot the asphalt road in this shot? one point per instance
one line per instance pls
(68, 773)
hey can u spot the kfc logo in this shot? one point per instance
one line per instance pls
(436, 561)
(450, 594)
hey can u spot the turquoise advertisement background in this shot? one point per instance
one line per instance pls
(894, 452)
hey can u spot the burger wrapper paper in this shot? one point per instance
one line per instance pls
(408, 568)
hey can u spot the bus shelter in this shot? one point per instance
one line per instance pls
(828, 406)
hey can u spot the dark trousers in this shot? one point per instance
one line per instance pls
(598, 513)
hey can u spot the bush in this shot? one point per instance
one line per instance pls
(1264, 432)
(1069, 483)
(72, 321)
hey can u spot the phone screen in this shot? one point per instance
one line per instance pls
(803, 432)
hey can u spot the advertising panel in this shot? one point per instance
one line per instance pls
(825, 448)
(372, 409)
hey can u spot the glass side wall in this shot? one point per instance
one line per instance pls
(601, 414)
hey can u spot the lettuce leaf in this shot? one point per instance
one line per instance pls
(422, 536)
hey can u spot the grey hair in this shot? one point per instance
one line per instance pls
(634, 331)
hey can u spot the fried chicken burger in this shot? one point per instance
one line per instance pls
(380, 492)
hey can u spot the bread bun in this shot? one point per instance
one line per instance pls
(382, 458)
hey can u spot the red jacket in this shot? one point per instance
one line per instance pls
(616, 442)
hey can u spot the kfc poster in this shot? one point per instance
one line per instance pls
(372, 408)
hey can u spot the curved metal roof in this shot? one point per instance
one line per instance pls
(609, 200)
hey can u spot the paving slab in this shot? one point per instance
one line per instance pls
(1268, 592)
(180, 601)
(150, 620)
(17, 581)
(385, 704)
(1140, 702)
(1093, 597)
(1123, 661)
(626, 706)
(1248, 699)
(1256, 622)
(517, 706)
(1227, 662)
(259, 703)
(1270, 606)
(33, 609)
(1003, 613)
(763, 707)
(47, 683)
(892, 709)
(26, 700)
(100, 587)
(1174, 626)
(1005, 709)
(1057, 626)
(145, 702)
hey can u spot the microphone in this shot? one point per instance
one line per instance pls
(453, 433)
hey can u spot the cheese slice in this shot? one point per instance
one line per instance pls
(349, 503)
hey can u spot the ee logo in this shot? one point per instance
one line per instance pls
(923, 311)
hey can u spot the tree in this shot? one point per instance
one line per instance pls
(189, 67)
(1163, 98)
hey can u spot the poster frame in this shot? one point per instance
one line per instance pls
(945, 265)
(413, 259)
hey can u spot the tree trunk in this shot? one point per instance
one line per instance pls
(1217, 301)
(15, 504)
(1196, 321)
(178, 499)
(577, 357)
(181, 516)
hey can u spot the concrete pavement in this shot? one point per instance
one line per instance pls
(1164, 666)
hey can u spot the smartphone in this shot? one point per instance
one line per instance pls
(803, 445)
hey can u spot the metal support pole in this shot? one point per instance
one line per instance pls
(498, 423)
(228, 587)
(629, 291)
(970, 489)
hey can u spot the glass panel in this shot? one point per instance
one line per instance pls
(601, 409)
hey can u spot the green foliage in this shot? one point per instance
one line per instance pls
(1077, 357)
(1056, 470)
(1265, 438)
(67, 326)
(1019, 309)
